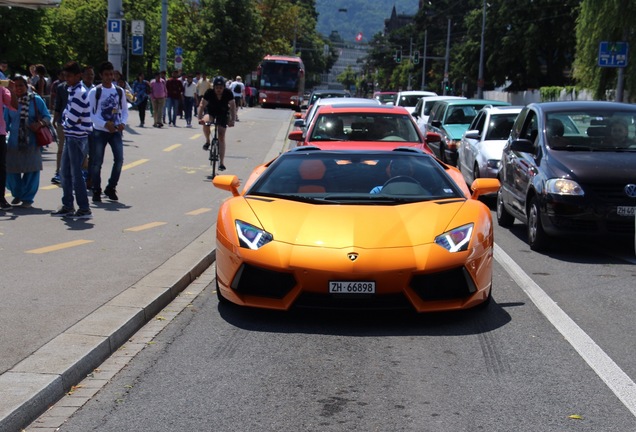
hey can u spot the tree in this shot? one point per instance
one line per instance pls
(611, 20)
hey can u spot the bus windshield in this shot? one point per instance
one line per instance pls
(280, 75)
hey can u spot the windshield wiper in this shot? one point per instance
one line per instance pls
(571, 147)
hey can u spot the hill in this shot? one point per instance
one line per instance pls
(350, 17)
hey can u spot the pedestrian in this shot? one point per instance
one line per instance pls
(3, 69)
(217, 106)
(9, 100)
(109, 113)
(42, 84)
(174, 88)
(88, 81)
(189, 89)
(158, 93)
(24, 157)
(61, 98)
(141, 89)
(76, 122)
(203, 85)
(238, 89)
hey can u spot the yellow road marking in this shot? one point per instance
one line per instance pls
(199, 211)
(134, 164)
(172, 147)
(50, 187)
(145, 227)
(197, 136)
(59, 246)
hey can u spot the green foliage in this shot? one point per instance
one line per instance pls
(347, 78)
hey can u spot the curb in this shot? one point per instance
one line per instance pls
(43, 378)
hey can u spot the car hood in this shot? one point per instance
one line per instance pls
(364, 226)
(594, 167)
(492, 149)
(455, 131)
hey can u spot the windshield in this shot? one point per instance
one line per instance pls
(607, 130)
(409, 101)
(364, 127)
(280, 75)
(499, 126)
(386, 97)
(332, 177)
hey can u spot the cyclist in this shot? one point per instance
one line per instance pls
(221, 109)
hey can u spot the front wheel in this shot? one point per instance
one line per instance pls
(537, 238)
(214, 155)
(504, 219)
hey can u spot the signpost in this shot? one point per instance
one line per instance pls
(137, 45)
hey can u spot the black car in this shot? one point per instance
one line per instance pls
(569, 168)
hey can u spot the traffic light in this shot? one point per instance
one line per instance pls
(416, 57)
(398, 56)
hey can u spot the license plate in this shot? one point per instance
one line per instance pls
(351, 287)
(626, 211)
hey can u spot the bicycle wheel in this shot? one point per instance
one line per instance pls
(214, 155)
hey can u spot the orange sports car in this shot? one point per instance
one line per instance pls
(354, 229)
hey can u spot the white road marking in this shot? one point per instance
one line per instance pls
(617, 380)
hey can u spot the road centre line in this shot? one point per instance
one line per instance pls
(59, 246)
(172, 147)
(199, 211)
(134, 164)
(145, 226)
(606, 369)
(197, 136)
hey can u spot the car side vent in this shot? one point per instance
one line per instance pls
(256, 281)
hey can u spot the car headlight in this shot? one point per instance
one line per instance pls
(561, 186)
(493, 163)
(456, 240)
(251, 237)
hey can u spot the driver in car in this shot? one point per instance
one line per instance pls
(397, 168)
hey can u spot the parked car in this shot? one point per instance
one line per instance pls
(450, 118)
(423, 109)
(387, 97)
(408, 99)
(479, 153)
(569, 169)
(406, 236)
(326, 93)
(309, 115)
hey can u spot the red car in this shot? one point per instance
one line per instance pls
(369, 127)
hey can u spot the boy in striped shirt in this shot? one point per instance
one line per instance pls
(76, 121)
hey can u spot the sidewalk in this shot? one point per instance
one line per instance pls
(36, 383)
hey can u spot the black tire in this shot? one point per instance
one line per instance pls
(504, 219)
(442, 153)
(214, 156)
(537, 238)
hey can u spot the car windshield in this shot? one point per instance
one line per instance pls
(499, 126)
(364, 127)
(321, 95)
(461, 114)
(386, 97)
(607, 130)
(349, 177)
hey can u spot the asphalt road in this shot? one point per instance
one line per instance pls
(553, 352)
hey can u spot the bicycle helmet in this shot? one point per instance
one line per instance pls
(219, 80)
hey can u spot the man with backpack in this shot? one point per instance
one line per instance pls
(109, 113)
(238, 90)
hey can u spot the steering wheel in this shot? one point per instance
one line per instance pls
(400, 179)
(403, 185)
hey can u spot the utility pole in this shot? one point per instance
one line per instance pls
(480, 78)
(424, 60)
(163, 48)
(115, 50)
(447, 57)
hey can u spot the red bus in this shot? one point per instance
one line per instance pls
(281, 81)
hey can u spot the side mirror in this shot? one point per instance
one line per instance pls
(300, 123)
(228, 183)
(522, 146)
(473, 134)
(483, 186)
(295, 135)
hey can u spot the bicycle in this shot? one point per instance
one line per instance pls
(214, 147)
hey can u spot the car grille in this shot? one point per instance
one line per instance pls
(256, 281)
(447, 285)
(612, 194)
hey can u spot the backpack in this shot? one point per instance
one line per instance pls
(98, 94)
(237, 89)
